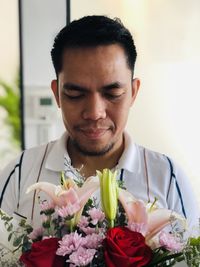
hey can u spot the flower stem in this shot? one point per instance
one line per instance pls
(111, 223)
(71, 225)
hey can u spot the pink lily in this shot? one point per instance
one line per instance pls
(69, 193)
(149, 222)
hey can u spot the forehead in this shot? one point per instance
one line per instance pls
(101, 61)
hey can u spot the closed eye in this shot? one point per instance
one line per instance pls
(113, 96)
(73, 94)
(79, 96)
(113, 93)
(73, 91)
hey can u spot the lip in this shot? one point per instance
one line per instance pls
(94, 134)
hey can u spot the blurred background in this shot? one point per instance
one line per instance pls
(167, 36)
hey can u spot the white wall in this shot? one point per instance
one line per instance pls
(9, 56)
(41, 20)
(167, 36)
(165, 116)
(9, 64)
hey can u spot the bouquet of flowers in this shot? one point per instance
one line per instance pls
(121, 231)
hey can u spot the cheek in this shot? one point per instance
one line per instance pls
(120, 114)
(69, 114)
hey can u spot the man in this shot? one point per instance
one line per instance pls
(94, 60)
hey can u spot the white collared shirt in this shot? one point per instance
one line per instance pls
(146, 174)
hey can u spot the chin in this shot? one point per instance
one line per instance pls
(93, 152)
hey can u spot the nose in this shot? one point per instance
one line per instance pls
(95, 108)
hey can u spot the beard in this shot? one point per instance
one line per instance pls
(92, 153)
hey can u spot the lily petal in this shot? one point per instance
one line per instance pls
(59, 196)
(43, 186)
(160, 218)
(135, 209)
(87, 189)
(125, 196)
(68, 196)
(109, 194)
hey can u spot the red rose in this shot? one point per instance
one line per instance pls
(123, 247)
(43, 253)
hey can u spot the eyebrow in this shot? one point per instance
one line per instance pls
(76, 87)
(115, 85)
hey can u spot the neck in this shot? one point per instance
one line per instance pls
(89, 164)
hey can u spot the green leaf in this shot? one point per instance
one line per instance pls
(6, 218)
(26, 247)
(9, 219)
(194, 241)
(10, 227)
(17, 241)
(161, 256)
(22, 223)
(28, 228)
(10, 236)
(17, 248)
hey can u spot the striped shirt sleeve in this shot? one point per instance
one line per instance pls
(10, 179)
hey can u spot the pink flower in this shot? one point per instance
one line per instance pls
(170, 242)
(70, 243)
(96, 215)
(68, 210)
(36, 233)
(88, 230)
(135, 209)
(154, 220)
(45, 205)
(83, 222)
(82, 257)
(68, 193)
(93, 240)
(138, 227)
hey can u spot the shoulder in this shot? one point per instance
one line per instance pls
(136, 156)
(154, 158)
(139, 151)
(32, 154)
(170, 162)
(162, 162)
(26, 159)
(151, 153)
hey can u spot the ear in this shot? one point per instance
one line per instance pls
(135, 89)
(54, 88)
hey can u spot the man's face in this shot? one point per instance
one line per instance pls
(95, 91)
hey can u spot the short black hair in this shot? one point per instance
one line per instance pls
(91, 31)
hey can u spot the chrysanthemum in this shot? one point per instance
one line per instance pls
(70, 243)
(82, 257)
(96, 215)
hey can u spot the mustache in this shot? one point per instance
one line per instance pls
(94, 125)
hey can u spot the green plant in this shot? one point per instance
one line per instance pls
(10, 101)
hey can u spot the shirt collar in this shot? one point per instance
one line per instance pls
(129, 160)
(55, 158)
